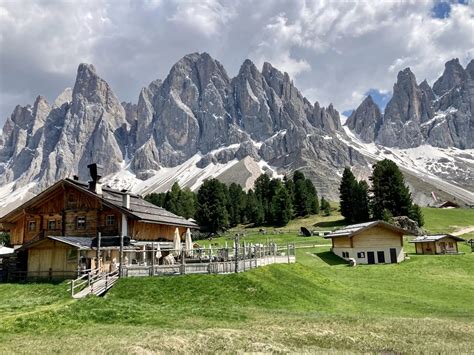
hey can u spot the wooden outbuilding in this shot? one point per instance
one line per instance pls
(58, 230)
(437, 244)
(375, 242)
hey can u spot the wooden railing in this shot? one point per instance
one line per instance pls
(93, 283)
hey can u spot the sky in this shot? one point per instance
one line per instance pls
(335, 51)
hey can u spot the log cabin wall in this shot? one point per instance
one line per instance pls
(151, 231)
(51, 255)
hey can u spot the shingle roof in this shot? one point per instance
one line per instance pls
(353, 229)
(434, 238)
(139, 207)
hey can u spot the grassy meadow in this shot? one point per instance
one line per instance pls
(318, 304)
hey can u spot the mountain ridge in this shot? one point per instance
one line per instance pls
(197, 118)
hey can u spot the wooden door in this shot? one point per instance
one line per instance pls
(393, 255)
(370, 257)
(381, 257)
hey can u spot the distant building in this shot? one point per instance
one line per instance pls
(437, 244)
(375, 242)
(447, 204)
(57, 232)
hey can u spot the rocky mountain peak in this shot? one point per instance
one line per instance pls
(426, 88)
(453, 76)
(470, 69)
(365, 121)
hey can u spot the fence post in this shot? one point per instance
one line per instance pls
(288, 252)
(236, 254)
(152, 259)
(183, 266)
(72, 288)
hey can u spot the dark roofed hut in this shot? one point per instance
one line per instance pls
(437, 244)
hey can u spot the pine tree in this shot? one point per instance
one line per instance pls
(361, 202)
(172, 200)
(236, 204)
(325, 207)
(346, 194)
(211, 210)
(281, 206)
(312, 196)
(389, 191)
(254, 209)
(263, 192)
(187, 203)
(416, 215)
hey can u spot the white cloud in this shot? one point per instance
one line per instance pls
(334, 50)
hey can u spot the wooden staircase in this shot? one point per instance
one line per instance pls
(93, 283)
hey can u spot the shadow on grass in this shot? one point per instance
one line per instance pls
(330, 258)
(331, 224)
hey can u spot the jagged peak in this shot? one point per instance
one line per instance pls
(248, 68)
(406, 74)
(63, 97)
(452, 76)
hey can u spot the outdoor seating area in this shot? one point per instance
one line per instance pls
(188, 257)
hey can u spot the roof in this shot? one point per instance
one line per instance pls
(354, 229)
(447, 204)
(83, 243)
(140, 209)
(435, 238)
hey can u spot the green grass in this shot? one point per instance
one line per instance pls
(318, 304)
(439, 220)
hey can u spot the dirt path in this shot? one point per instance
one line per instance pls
(463, 231)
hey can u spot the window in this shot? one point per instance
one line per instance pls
(345, 254)
(51, 224)
(32, 226)
(81, 222)
(451, 244)
(110, 220)
(361, 255)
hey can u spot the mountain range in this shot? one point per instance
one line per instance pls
(199, 123)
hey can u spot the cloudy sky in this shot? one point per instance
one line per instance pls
(336, 51)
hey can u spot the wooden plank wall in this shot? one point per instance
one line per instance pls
(342, 242)
(50, 255)
(377, 237)
(149, 231)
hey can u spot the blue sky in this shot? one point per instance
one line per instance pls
(335, 51)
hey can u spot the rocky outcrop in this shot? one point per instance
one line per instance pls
(365, 121)
(196, 110)
(441, 116)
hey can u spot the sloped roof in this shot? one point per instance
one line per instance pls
(139, 208)
(435, 238)
(354, 229)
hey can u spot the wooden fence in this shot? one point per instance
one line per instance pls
(207, 261)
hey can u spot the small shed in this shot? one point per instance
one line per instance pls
(376, 242)
(448, 204)
(437, 244)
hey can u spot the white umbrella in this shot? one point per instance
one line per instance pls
(176, 243)
(188, 243)
(158, 251)
(210, 251)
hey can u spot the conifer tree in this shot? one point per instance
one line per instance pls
(389, 191)
(254, 209)
(361, 202)
(325, 207)
(347, 194)
(236, 204)
(281, 206)
(211, 210)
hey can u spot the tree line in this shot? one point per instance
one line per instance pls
(217, 206)
(388, 196)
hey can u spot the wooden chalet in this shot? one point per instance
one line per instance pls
(375, 242)
(56, 233)
(437, 244)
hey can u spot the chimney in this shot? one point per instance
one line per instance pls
(125, 199)
(75, 178)
(95, 171)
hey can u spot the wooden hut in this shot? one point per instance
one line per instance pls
(437, 244)
(57, 231)
(375, 242)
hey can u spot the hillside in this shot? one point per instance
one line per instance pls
(314, 305)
